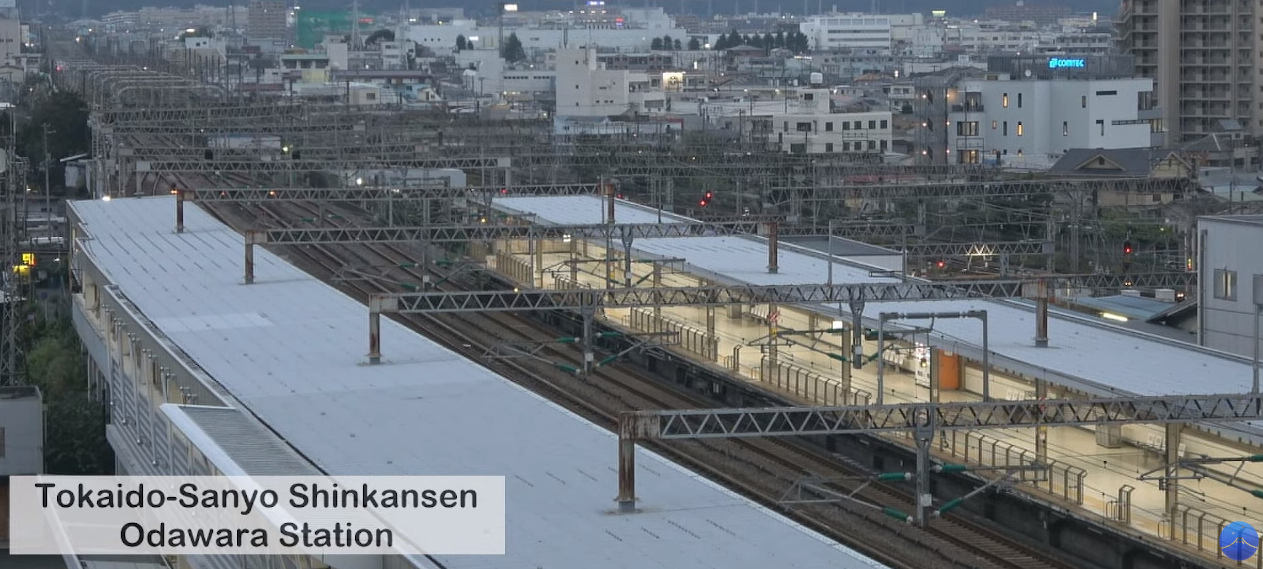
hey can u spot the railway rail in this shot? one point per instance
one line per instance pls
(761, 469)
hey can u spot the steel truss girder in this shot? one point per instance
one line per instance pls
(482, 232)
(976, 189)
(872, 419)
(484, 301)
(380, 194)
(303, 165)
(987, 249)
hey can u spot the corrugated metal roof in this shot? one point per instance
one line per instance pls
(251, 446)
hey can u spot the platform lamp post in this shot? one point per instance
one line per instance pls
(1258, 314)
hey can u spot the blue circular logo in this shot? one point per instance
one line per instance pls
(1238, 541)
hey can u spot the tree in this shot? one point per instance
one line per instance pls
(694, 45)
(721, 43)
(656, 44)
(513, 51)
(378, 36)
(66, 115)
(462, 44)
(75, 441)
(667, 42)
(677, 46)
(779, 41)
(734, 39)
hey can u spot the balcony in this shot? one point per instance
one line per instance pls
(968, 108)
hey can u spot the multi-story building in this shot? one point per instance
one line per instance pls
(628, 30)
(1037, 108)
(586, 88)
(267, 20)
(802, 121)
(1200, 53)
(10, 31)
(1230, 267)
(857, 33)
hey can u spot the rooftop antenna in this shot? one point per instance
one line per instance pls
(232, 14)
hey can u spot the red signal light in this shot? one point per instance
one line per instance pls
(702, 203)
(940, 264)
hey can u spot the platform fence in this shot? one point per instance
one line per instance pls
(692, 340)
(510, 266)
(809, 385)
(1061, 480)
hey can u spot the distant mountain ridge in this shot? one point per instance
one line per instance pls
(72, 8)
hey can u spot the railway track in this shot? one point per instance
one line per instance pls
(760, 468)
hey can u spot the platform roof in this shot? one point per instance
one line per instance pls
(1096, 357)
(291, 349)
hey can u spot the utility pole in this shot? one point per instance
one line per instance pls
(48, 166)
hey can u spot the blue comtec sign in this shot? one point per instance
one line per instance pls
(1056, 63)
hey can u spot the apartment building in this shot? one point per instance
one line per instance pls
(1035, 109)
(1200, 53)
(267, 20)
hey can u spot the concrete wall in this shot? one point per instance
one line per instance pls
(1227, 320)
(21, 431)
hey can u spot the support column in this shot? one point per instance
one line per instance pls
(710, 332)
(539, 265)
(179, 211)
(374, 337)
(588, 312)
(657, 282)
(1041, 315)
(881, 361)
(251, 237)
(627, 258)
(773, 255)
(1041, 431)
(845, 375)
(1172, 484)
(857, 334)
(772, 357)
(924, 434)
(986, 360)
(936, 371)
(626, 468)
(574, 262)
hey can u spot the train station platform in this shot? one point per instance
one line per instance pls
(209, 376)
(794, 351)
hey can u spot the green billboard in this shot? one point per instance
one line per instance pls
(312, 27)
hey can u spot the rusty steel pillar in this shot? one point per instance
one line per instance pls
(626, 464)
(772, 254)
(374, 337)
(179, 211)
(252, 238)
(609, 201)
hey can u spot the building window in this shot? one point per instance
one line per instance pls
(828, 147)
(1083, 101)
(1006, 128)
(1101, 123)
(885, 124)
(872, 125)
(967, 128)
(884, 145)
(872, 145)
(1020, 130)
(828, 127)
(994, 124)
(1225, 284)
(1019, 100)
(858, 125)
(846, 147)
(1004, 101)
(1065, 128)
(846, 125)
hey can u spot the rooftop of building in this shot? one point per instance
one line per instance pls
(290, 349)
(1241, 219)
(19, 392)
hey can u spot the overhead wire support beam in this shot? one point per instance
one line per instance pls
(919, 418)
(379, 193)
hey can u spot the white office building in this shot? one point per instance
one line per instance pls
(585, 88)
(801, 121)
(632, 30)
(862, 34)
(1036, 109)
(1229, 264)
